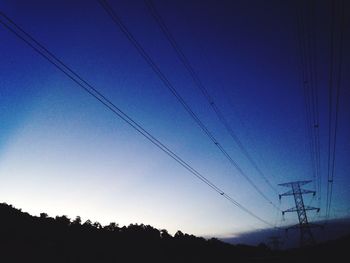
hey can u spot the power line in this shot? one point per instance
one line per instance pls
(306, 94)
(307, 48)
(314, 93)
(91, 90)
(115, 18)
(331, 156)
(330, 102)
(201, 87)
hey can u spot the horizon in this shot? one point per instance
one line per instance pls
(335, 228)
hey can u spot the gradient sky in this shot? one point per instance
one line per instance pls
(62, 152)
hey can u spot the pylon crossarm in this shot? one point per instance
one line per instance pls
(290, 192)
(298, 182)
(303, 191)
(293, 209)
(312, 208)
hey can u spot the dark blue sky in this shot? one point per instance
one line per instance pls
(64, 153)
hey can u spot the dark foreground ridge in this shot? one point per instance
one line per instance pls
(26, 238)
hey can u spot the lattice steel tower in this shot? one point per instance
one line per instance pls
(306, 237)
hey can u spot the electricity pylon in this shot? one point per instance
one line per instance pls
(306, 237)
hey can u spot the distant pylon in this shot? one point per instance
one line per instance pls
(275, 242)
(306, 237)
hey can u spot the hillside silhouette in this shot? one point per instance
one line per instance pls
(26, 238)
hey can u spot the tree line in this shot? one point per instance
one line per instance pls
(26, 238)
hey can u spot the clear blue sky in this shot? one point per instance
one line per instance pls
(62, 152)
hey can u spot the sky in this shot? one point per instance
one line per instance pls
(63, 152)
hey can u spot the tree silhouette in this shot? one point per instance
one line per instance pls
(97, 225)
(112, 227)
(64, 220)
(43, 215)
(25, 238)
(76, 221)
